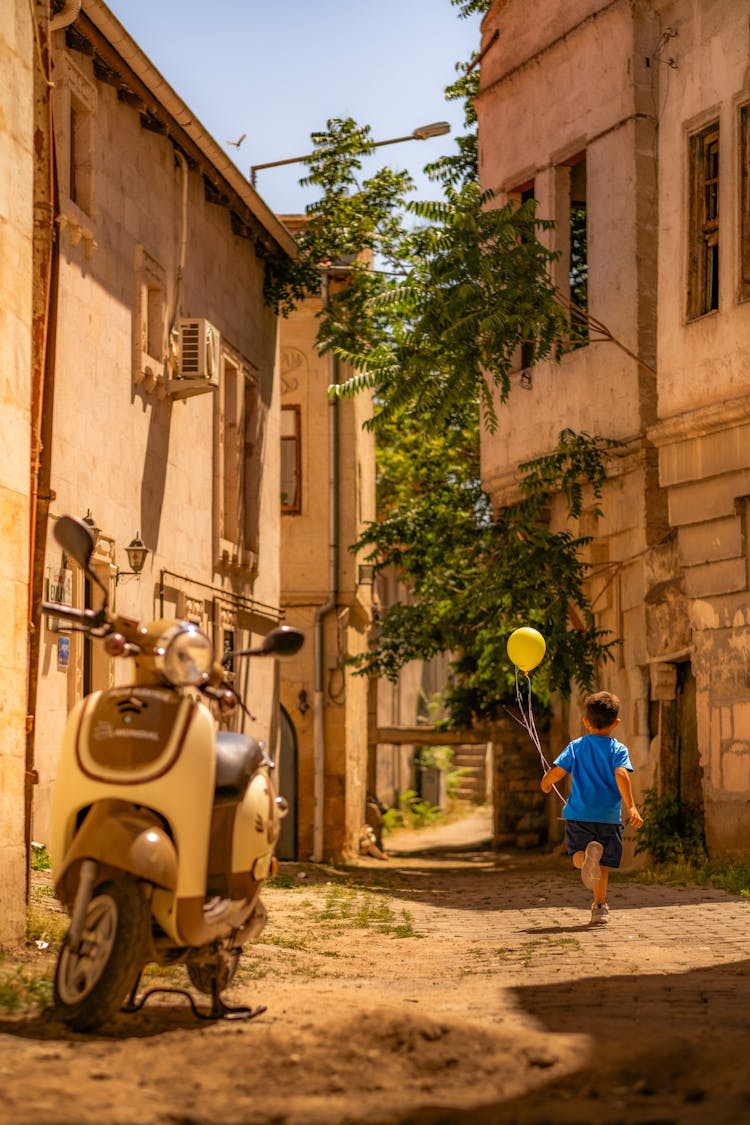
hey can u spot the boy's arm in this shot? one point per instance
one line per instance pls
(622, 777)
(555, 773)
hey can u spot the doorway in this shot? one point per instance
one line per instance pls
(287, 779)
(680, 769)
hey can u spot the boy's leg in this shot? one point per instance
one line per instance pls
(600, 890)
(599, 909)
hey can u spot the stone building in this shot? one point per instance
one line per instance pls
(327, 496)
(608, 113)
(164, 414)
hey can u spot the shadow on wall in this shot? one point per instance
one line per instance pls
(153, 481)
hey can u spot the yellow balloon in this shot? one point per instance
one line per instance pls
(526, 648)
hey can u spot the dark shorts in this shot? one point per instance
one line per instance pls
(579, 833)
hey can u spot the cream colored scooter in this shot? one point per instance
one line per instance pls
(163, 827)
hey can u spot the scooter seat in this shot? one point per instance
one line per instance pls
(238, 756)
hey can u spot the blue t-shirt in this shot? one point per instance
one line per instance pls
(591, 762)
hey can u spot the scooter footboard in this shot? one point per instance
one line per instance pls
(118, 836)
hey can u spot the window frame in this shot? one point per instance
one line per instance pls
(704, 219)
(237, 539)
(294, 509)
(744, 201)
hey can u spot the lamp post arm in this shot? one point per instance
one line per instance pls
(422, 133)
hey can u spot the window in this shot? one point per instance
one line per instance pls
(76, 140)
(80, 164)
(572, 223)
(703, 261)
(149, 322)
(524, 194)
(291, 499)
(745, 202)
(238, 449)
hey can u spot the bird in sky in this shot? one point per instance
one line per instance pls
(237, 144)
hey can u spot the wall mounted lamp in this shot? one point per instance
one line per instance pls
(136, 551)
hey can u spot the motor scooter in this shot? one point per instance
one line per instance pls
(163, 827)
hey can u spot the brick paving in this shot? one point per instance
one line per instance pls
(666, 985)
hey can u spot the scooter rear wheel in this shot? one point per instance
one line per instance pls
(92, 982)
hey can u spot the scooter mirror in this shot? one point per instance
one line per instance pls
(284, 640)
(75, 538)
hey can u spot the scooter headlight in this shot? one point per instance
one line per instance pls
(188, 657)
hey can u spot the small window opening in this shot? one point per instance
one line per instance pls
(703, 272)
(290, 460)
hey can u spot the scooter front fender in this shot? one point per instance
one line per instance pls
(119, 837)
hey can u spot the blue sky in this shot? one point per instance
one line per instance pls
(278, 69)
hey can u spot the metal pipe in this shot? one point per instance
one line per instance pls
(172, 337)
(318, 716)
(46, 258)
(67, 15)
(241, 601)
(421, 133)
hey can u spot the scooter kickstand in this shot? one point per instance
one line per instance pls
(130, 1004)
(222, 1011)
(219, 1010)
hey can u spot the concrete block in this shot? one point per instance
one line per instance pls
(706, 455)
(716, 578)
(741, 721)
(712, 498)
(736, 768)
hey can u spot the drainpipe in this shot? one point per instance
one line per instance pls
(319, 747)
(67, 15)
(172, 338)
(44, 319)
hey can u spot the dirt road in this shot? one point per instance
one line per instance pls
(442, 987)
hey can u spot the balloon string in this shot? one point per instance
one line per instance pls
(527, 721)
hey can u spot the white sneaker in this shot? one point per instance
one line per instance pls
(591, 872)
(599, 914)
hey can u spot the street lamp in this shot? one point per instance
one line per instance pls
(136, 551)
(421, 133)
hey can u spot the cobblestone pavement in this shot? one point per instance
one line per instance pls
(448, 985)
(661, 994)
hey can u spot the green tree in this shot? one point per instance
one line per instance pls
(440, 295)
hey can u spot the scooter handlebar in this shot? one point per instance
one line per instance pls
(89, 616)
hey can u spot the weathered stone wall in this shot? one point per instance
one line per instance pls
(703, 432)
(522, 813)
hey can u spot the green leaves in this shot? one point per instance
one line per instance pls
(428, 304)
(473, 579)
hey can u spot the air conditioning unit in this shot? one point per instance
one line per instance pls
(199, 350)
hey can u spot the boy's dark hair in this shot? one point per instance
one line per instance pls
(602, 709)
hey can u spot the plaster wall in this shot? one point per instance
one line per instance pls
(702, 361)
(139, 460)
(551, 89)
(704, 402)
(16, 220)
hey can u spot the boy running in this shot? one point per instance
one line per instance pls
(599, 767)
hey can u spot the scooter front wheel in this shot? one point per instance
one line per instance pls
(93, 981)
